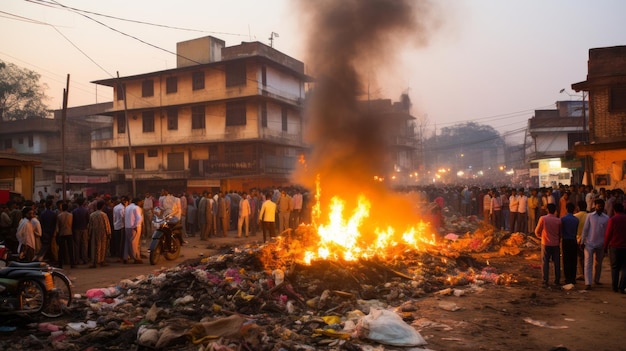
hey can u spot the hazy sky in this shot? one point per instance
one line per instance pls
(489, 61)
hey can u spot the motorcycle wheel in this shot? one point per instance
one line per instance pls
(33, 295)
(173, 250)
(61, 298)
(155, 254)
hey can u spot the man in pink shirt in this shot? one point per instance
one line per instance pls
(549, 230)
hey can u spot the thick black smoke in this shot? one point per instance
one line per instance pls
(348, 43)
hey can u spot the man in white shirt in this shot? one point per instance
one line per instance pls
(244, 215)
(118, 234)
(522, 212)
(170, 204)
(133, 220)
(148, 206)
(513, 210)
(592, 240)
(296, 209)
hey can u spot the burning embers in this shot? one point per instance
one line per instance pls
(350, 235)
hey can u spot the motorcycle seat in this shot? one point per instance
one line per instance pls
(35, 264)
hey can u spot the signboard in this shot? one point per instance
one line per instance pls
(572, 164)
(79, 179)
(206, 183)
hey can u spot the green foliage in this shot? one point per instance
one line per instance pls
(21, 95)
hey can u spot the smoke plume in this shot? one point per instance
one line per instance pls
(350, 42)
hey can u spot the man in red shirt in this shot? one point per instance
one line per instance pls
(615, 244)
(549, 230)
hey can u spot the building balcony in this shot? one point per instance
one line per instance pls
(403, 141)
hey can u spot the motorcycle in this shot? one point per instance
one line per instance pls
(24, 290)
(59, 298)
(167, 238)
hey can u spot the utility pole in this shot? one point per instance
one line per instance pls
(63, 120)
(130, 148)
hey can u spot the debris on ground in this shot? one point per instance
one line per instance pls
(257, 297)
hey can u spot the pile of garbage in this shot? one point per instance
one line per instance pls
(254, 298)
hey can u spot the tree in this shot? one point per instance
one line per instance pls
(21, 95)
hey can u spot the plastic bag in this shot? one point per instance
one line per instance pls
(386, 327)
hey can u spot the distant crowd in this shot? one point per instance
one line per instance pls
(577, 224)
(86, 230)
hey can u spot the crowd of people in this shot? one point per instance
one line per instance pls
(577, 225)
(86, 230)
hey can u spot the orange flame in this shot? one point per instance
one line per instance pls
(350, 238)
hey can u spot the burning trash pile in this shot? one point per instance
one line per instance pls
(277, 296)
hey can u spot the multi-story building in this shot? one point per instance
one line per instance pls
(606, 146)
(42, 138)
(225, 117)
(403, 157)
(551, 134)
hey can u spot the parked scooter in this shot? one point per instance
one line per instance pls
(24, 291)
(167, 238)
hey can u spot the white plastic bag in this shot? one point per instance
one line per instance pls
(386, 327)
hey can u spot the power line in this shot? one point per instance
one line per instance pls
(56, 4)
(498, 116)
(43, 3)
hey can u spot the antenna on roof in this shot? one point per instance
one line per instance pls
(272, 36)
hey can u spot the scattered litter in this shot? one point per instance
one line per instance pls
(386, 327)
(544, 324)
(449, 306)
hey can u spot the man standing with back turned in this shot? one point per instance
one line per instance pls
(549, 230)
(615, 245)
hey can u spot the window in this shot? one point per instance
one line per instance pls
(235, 114)
(197, 117)
(264, 115)
(235, 74)
(172, 118)
(30, 141)
(171, 85)
(213, 152)
(8, 143)
(617, 99)
(20, 140)
(153, 152)
(147, 119)
(197, 80)
(176, 161)
(121, 123)
(264, 76)
(147, 88)
(126, 161)
(121, 91)
(139, 161)
(284, 118)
